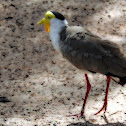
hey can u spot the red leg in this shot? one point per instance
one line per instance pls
(88, 90)
(106, 95)
(86, 96)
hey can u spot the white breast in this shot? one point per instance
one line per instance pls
(56, 26)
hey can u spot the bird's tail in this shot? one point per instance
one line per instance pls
(122, 80)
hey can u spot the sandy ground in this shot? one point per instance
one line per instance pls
(42, 86)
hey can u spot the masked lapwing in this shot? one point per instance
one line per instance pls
(86, 51)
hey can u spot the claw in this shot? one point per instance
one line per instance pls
(103, 108)
(78, 115)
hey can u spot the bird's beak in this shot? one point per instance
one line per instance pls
(46, 24)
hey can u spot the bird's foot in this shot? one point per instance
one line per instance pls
(80, 115)
(102, 109)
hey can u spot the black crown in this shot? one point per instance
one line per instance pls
(58, 15)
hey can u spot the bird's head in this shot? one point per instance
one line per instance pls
(49, 15)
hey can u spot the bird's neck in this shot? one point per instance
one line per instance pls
(56, 26)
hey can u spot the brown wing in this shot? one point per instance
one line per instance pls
(87, 51)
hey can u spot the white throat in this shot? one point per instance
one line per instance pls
(56, 26)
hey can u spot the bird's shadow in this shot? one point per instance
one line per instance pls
(90, 124)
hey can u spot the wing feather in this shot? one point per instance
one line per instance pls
(87, 51)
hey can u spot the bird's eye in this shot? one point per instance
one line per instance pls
(49, 17)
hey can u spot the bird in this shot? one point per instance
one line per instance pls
(86, 51)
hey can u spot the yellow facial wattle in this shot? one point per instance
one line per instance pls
(46, 20)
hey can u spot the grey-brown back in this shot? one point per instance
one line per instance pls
(87, 51)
